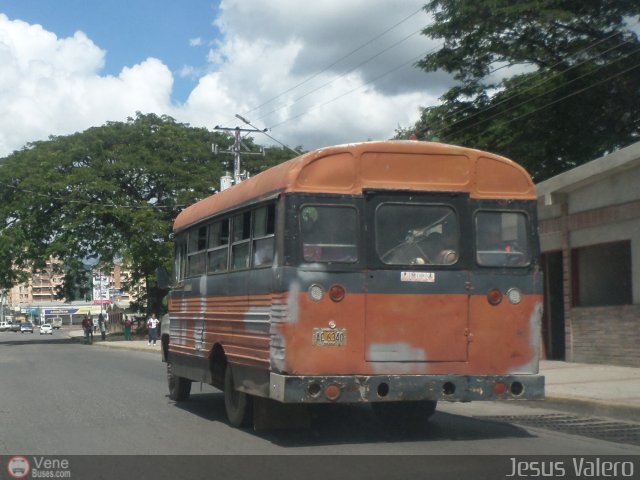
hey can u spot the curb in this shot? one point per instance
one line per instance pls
(115, 345)
(588, 406)
(132, 348)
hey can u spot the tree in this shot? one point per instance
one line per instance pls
(112, 191)
(549, 83)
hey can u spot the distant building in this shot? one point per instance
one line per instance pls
(39, 293)
(41, 287)
(590, 240)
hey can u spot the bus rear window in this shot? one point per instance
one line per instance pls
(329, 234)
(415, 234)
(501, 239)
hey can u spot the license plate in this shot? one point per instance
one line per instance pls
(330, 337)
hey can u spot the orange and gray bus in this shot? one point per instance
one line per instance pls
(399, 273)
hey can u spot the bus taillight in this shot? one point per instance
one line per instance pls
(337, 293)
(500, 388)
(332, 392)
(494, 296)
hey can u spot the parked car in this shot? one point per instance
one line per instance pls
(4, 326)
(57, 322)
(46, 328)
(15, 327)
(26, 327)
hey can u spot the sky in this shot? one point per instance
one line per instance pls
(314, 73)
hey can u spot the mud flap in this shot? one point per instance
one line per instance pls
(271, 415)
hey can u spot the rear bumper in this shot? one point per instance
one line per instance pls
(384, 388)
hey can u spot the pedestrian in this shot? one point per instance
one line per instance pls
(152, 327)
(87, 326)
(127, 328)
(103, 331)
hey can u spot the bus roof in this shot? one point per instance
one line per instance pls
(385, 165)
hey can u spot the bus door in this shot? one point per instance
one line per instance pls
(417, 299)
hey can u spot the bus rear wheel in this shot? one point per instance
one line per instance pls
(179, 387)
(238, 405)
(405, 413)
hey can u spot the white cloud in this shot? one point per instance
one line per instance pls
(54, 86)
(269, 47)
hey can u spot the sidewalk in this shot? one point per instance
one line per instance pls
(602, 390)
(605, 390)
(117, 341)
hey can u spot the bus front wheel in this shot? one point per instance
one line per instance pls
(238, 405)
(179, 387)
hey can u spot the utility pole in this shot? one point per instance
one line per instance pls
(3, 295)
(237, 149)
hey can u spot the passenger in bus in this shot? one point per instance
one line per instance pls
(263, 254)
(448, 254)
(441, 248)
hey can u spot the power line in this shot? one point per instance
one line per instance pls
(296, 100)
(572, 94)
(357, 49)
(554, 75)
(513, 107)
(264, 132)
(398, 67)
(88, 203)
(578, 52)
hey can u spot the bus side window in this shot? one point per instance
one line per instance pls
(241, 225)
(180, 259)
(218, 253)
(263, 235)
(196, 254)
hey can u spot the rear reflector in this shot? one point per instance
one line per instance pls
(337, 293)
(494, 296)
(332, 392)
(500, 388)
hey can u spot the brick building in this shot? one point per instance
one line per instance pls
(590, 241)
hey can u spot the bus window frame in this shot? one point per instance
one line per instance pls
(267, 236)
(230, 216)
(531, 241)
(194, 253)
(460, 202)
(218, 248)
(242, 242)
(180, 259)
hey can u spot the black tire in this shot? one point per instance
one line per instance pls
(405, 413)
(238, 405)
(179, 387)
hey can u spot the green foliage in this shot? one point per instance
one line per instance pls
(113, 190)
(575, 97)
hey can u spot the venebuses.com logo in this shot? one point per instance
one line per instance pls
(18, 467)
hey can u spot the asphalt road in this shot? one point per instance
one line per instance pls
(58, 397)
